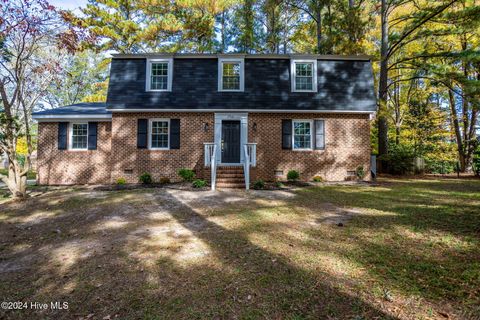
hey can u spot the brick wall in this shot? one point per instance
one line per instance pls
(347, 146)
(72, 167)
(159, 163)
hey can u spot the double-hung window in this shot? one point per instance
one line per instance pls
(304, 75)
(159, 133)
(230, 74)
(79, 136)
(302, 134)
(159, 74)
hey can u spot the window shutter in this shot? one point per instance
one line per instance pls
(142, 133)
(286, 134)
(319, 137)
(174, 133)
(92, 136)
(62, 135)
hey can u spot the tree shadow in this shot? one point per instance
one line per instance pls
(148, 254)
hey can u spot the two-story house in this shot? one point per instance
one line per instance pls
(226, 116)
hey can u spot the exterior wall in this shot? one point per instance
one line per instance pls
(127, 158)
(347, 146)
(72, 167)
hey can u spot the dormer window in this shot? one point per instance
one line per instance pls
(304, 75)
(230, 74)
(159, 74)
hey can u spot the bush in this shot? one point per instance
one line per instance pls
(259, 184)
(476, 161)
(121, 181)
(145, 178)
(293, 175)
(317, 179)
(279, 184)
(164, 180)
(399, 159)
(360, 172)
(186, 174)
(436, 166)
(199, 183)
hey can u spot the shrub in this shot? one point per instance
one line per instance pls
(279, 184)
(199, 183)
(164, 180)
(360, 172)
(317, 179)
(186, 174)
(399, 159)
(259, 184)
(145, 178)
(436, 166)
(293, 175)
(121, 181)
(476, 161)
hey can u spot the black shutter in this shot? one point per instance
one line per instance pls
(174, 133)
(142, 133)
(62, 135)
(319, 136)
(286, 134)
(92, 136)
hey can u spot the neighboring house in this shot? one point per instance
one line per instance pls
(206, 111)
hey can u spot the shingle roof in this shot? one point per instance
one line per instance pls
(344, 85)
(87, 109)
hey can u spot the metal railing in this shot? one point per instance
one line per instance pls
(210, 150)
(250, 152)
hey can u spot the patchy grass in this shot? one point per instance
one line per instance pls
(408, 249)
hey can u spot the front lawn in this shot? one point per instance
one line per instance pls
(407, 249)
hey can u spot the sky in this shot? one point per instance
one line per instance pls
(68, 4)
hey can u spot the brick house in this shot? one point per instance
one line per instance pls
(229, 117)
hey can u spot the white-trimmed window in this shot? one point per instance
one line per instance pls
(304, 75)
(159, 74)
(230, 74)
(78, 136)
(158, 137)
(302, 134)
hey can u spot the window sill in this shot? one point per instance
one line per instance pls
(151, 90)
(158, 149)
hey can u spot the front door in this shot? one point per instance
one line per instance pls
(230, 141)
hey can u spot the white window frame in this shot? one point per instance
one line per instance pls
(311, 134)
(293, 72)
(70, 136)
(150, 126)
(241, 61)
(148, 84)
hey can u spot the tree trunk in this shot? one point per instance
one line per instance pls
(351, 3)
(383, 87)
(458, 134)
(318, 19)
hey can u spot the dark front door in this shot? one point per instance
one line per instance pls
(230, 141)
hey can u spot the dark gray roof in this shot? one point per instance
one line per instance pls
(79, 109)
(343, 85)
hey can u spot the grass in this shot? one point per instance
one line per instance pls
(410, 250)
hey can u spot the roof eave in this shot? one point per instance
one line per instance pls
(246, 56)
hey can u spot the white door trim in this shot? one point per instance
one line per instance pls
(243, 118)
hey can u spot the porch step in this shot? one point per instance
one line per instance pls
(230, 177)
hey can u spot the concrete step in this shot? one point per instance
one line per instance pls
(230, 175)
(231, 185)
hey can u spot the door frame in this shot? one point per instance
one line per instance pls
(243, 118)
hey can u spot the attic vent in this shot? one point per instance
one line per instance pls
(128, 171)
(351, 174)
(278, 173)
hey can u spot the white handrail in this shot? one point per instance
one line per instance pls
(213, 168)
(246, 167)
(210, 150)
